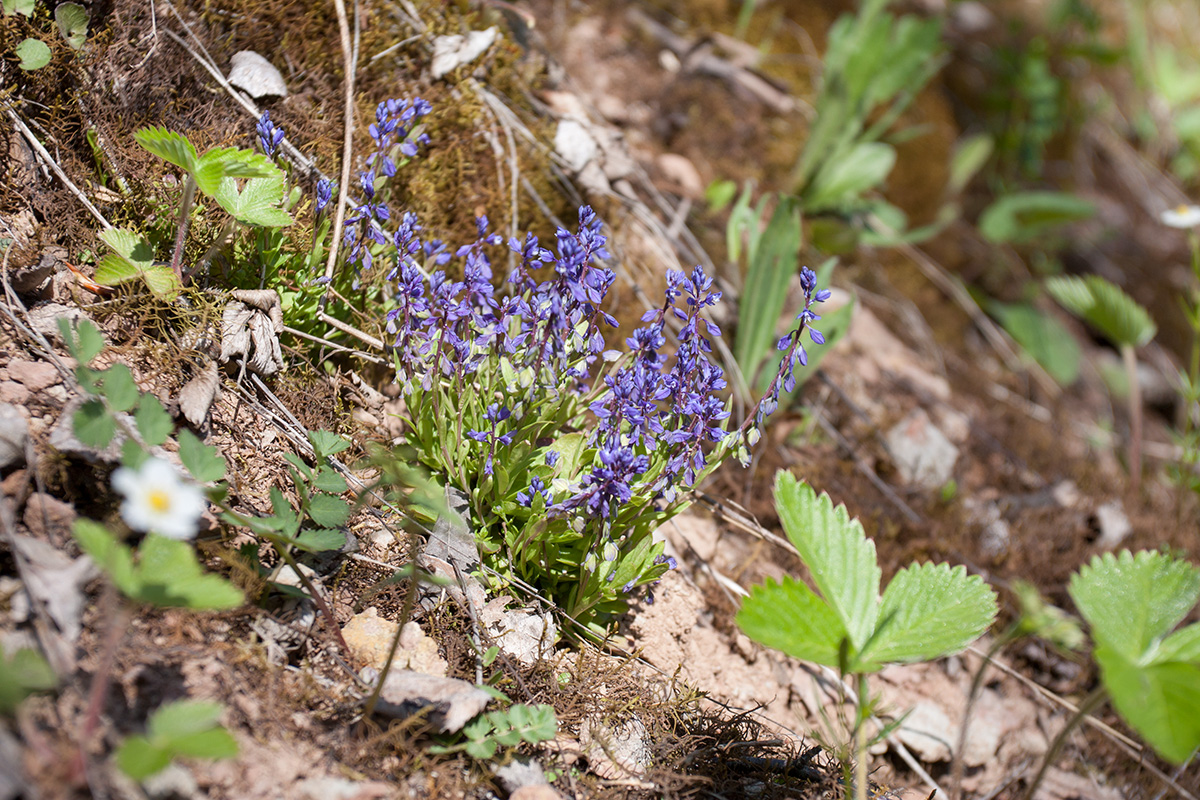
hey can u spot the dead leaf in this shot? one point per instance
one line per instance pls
(250, 328)
(197, 396)
(452, 702)
(56, 581)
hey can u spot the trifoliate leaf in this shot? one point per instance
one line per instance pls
(256, 203)
(168, 145)
(837, 553)
(1133, 602)
(792, 619)
(1104, 306)
(72, 22)
(34, 54)
(928, 611)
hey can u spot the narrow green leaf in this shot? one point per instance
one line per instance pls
(94, 425)
(200, 459)
(34, 54)
(119, 389)
(929, 611)
(770, 271)
(837, 553)
(970, 154)
(328, 511)
(789, 617)
(72, 22)
(153, 422)
(168, 145)
(1133, 602)
(1024, 216)
(845, 178)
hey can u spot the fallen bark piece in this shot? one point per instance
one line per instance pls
(452, 703)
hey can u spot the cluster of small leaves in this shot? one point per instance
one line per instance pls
(312, 526)
(22, 674)
(926, 612)
(505, 728)
(185, 728)
(71, 19)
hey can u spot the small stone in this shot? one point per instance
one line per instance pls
(13, 392)
(14, 435)
(454, 51)
(452, 702)
(44, 319)
(928, 732)
(35, 375)
(370, 636)
(682, 173)
(922, 453)
(519, 773)
(48, 517)
(1113, 523)
(995, 539)
(535, 793)
(256, 76)
(171, 783)
(575, 145)
(616, 752)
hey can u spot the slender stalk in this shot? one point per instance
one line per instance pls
(185, 211)
(410, 600)
(956, 775)
(1135, 416)
(1090, 704)
(860, 741)
(102, 677)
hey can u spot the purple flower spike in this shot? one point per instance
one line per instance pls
(270, 135)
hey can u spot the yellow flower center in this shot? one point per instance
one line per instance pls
(159, 500)
(1182, 208)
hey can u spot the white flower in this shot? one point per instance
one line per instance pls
(1181, 217)
(157, 499)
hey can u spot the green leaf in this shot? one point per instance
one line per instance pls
(94, 425)
(1133, 602)
(72, 22)
(168, 145)
(84, 342)
(200, 459)
(162, 282)
(319, 541)
(1160, 701)
(929, 611)
(328, 511)
(213, 744)
(119, 389)
(230, 162)
(326, 444)
(837, 553)
(22, 674)
(792, 619)
(844, 178)
(184, 717)
(256, 203)
(153, 422)
(171, 576)
(970, 154)
(1041, 336)
(138, 758)
(770, 271)
(1024, 216)
(329, 480)
(114, 270)
(110, 555)
(480, 749)
(34, 54)
(25, 7)
(1104, 306)
(130, 246)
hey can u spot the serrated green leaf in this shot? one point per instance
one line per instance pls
(298, 463)
(1105, 306)
(34, 54)
(837, 553)
(171, 576)
(1133, 602)
(153, 422)
(789, 617)
(480, 749)
(94, 425)
(72, 22)
(1182, 645)
(119, 389)
(138, 758)
(84, 341)
(1160, 701)
(113, 270)
(929, 611)
(326, 444)
(168, 145)
(329, 480)
(319, 540)
(200, 459)
(328, 511)
(162, 282)
(110, 555)
(255, 203)
(129, 245)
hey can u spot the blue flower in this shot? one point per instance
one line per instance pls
(325, 189)
(270, 135)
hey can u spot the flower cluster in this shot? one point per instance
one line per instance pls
(785, 380)
(270, 135)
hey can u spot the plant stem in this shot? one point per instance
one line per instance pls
(118, 615)
(1135, 416)
(410, 600)
(185, 212)
(956, 775)
(860, 741)
(1089, 704)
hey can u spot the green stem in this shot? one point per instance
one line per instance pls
(410, 600)
(1135, 416)
(860, 741)
(1090, 704)
(185, 211)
